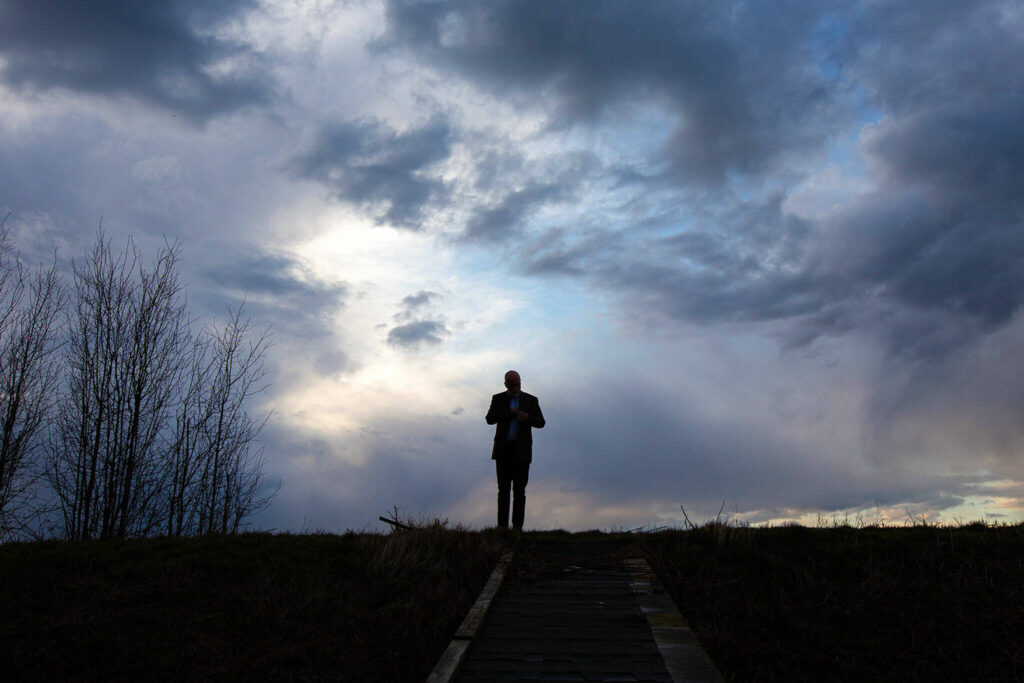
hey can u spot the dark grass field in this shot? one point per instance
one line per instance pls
(845, 604)
(359, 607)
(788, 603)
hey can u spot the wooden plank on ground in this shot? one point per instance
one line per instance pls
(448, 665)
(450, 661)
(684, 657)
(475, 617)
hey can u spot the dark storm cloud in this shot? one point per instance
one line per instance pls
(368, 162)
(743, 81)
(163, 53)
(946, 234)
(942, 240)
(495, 222)
(928, 261)
(746, 266)
(412, 335)
(926, 274)
(281, 293)
(281, 277)
(523, 189)
(923, 53)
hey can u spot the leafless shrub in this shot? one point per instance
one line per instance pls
(127, 344)
(29, 305)
(217, 474)
(151, 434)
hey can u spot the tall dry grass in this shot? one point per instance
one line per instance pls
(356, 607)
(915, 603)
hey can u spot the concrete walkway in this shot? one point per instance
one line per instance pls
(586, 623)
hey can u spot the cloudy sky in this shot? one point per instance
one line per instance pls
(770, 254)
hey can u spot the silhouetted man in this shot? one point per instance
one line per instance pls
(515, 413)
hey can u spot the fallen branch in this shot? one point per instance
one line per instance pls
(394, 522)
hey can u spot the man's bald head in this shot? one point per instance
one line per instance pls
(512, 382)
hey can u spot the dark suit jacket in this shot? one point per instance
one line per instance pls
(500, 414)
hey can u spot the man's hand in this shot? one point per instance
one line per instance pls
(522, 416)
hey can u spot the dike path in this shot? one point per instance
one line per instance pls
(557, 610)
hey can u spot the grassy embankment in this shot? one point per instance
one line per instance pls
(787, 603)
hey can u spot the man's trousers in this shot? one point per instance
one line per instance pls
(512, 477)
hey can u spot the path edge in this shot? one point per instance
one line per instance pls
(685, 658)
(448, 665)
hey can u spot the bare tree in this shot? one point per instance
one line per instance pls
(184, 458)
(127, 351)
(152, 434)
(216, 471)
(229, 488)
(29, 306)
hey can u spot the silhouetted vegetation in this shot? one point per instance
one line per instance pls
(789, 603)
(30, 301)
(118, 420)
(920, 603)
(358, 607)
